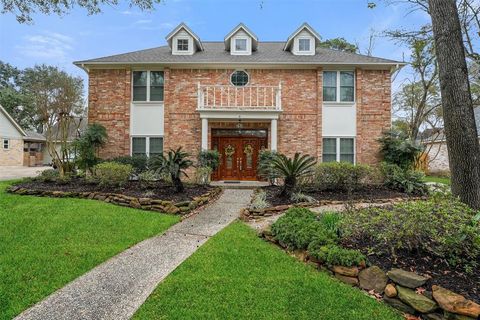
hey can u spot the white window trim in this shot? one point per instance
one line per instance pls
(8, 144)
(231, 74)
(309, 44)
(147, 142)
(148, 88)
(337, 101)
(188, 44)
(233, 49)
(337, 145)
(235, 44)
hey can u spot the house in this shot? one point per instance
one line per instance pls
(19, 147)
(436, 147)
(241, 95)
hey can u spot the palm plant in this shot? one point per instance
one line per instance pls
(291, 169)
(174, 164)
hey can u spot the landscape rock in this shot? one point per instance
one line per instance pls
(390, 291)
(399, 305)
(455, 303)
(417, 301)
(373, 278)
(346, 271)
(434, 316)
(453, 316)
(406, 278)
(353, 281)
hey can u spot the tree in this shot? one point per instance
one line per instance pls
(339, 44)
(88, 145)
(460, 129)
(57, 99)
(174, 164)
(24, 9)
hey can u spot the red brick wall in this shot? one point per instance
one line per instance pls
(373, 112)
(299, 126)
(109, 105)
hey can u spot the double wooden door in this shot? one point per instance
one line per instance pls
(238, 157)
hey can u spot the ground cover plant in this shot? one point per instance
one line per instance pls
(46, 243)
(236, 275)
(439, 237)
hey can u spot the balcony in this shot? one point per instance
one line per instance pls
(247, 98)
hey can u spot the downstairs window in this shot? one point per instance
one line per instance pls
(338, 149)
(147, 146)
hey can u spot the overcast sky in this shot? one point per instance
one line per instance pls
(60, 40)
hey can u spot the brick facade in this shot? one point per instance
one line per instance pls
(299, 125)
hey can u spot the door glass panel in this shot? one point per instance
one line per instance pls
(248, 156)
(262, 133)
(229, 151)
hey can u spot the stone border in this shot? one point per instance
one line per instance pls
(398, 288)
(150, 204)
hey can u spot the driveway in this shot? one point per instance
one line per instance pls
(16, 172)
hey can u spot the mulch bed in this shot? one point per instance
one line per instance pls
(158, 190)
(453, 278)
(366, 194)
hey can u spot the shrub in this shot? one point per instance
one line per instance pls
(209, 158)
(88, 145)
(404, 180)
(259, 201)
(299, 227)
(341, 176)
(174, 164)
(49, 175)
(299, 197)
(291, 170)
(147, 179)
(334, 255)
(265, 165)
(202, 175)
(442, 227)
(139, 163)
(396, 148)
(112, 173)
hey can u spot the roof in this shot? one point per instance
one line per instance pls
(189, 31)
(34, 136)
(302, 27)
(76, 128)
(215, 53)
(243, 27)
(12, 121)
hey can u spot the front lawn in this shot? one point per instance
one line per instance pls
(46, 243)
(438, 180)
(236, 275)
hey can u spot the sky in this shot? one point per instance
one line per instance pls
(118, 29)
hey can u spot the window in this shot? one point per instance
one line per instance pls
(339, 86)
(6, 144)
(147, 146)
(339, 149)
(240, 44)
(303, 44)
(239, 78)
(182, 44)
(148, 86)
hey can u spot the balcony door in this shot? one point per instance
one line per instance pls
(238, 156)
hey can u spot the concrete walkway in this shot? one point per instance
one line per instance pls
(16, 172)
(119, 286)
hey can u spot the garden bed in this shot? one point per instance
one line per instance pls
(368, 193)
(159, 196)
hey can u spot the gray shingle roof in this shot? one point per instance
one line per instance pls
(267, 53)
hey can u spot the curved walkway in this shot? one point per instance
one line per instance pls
(118, 287)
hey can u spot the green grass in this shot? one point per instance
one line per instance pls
(236, 275)
(45, 242)
(438, 180)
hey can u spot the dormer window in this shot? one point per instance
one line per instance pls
(182, 44)
(303, 44)
(240, 45)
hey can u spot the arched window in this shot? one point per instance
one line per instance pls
(239, 78)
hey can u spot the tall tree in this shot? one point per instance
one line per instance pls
(339, 44)
(460, 130)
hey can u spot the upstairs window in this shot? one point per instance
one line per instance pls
(147, 86)
(182, 44)
(338, 86)
(240, 44)
(303, 44)
(239, 78)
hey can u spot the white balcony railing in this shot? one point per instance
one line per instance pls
(228, 97)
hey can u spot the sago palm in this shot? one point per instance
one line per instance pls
(291, 169)
(174, 164)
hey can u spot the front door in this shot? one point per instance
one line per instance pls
(238, 157)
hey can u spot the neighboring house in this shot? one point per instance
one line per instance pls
(436, 147)
(241, 95)
(19, 147)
